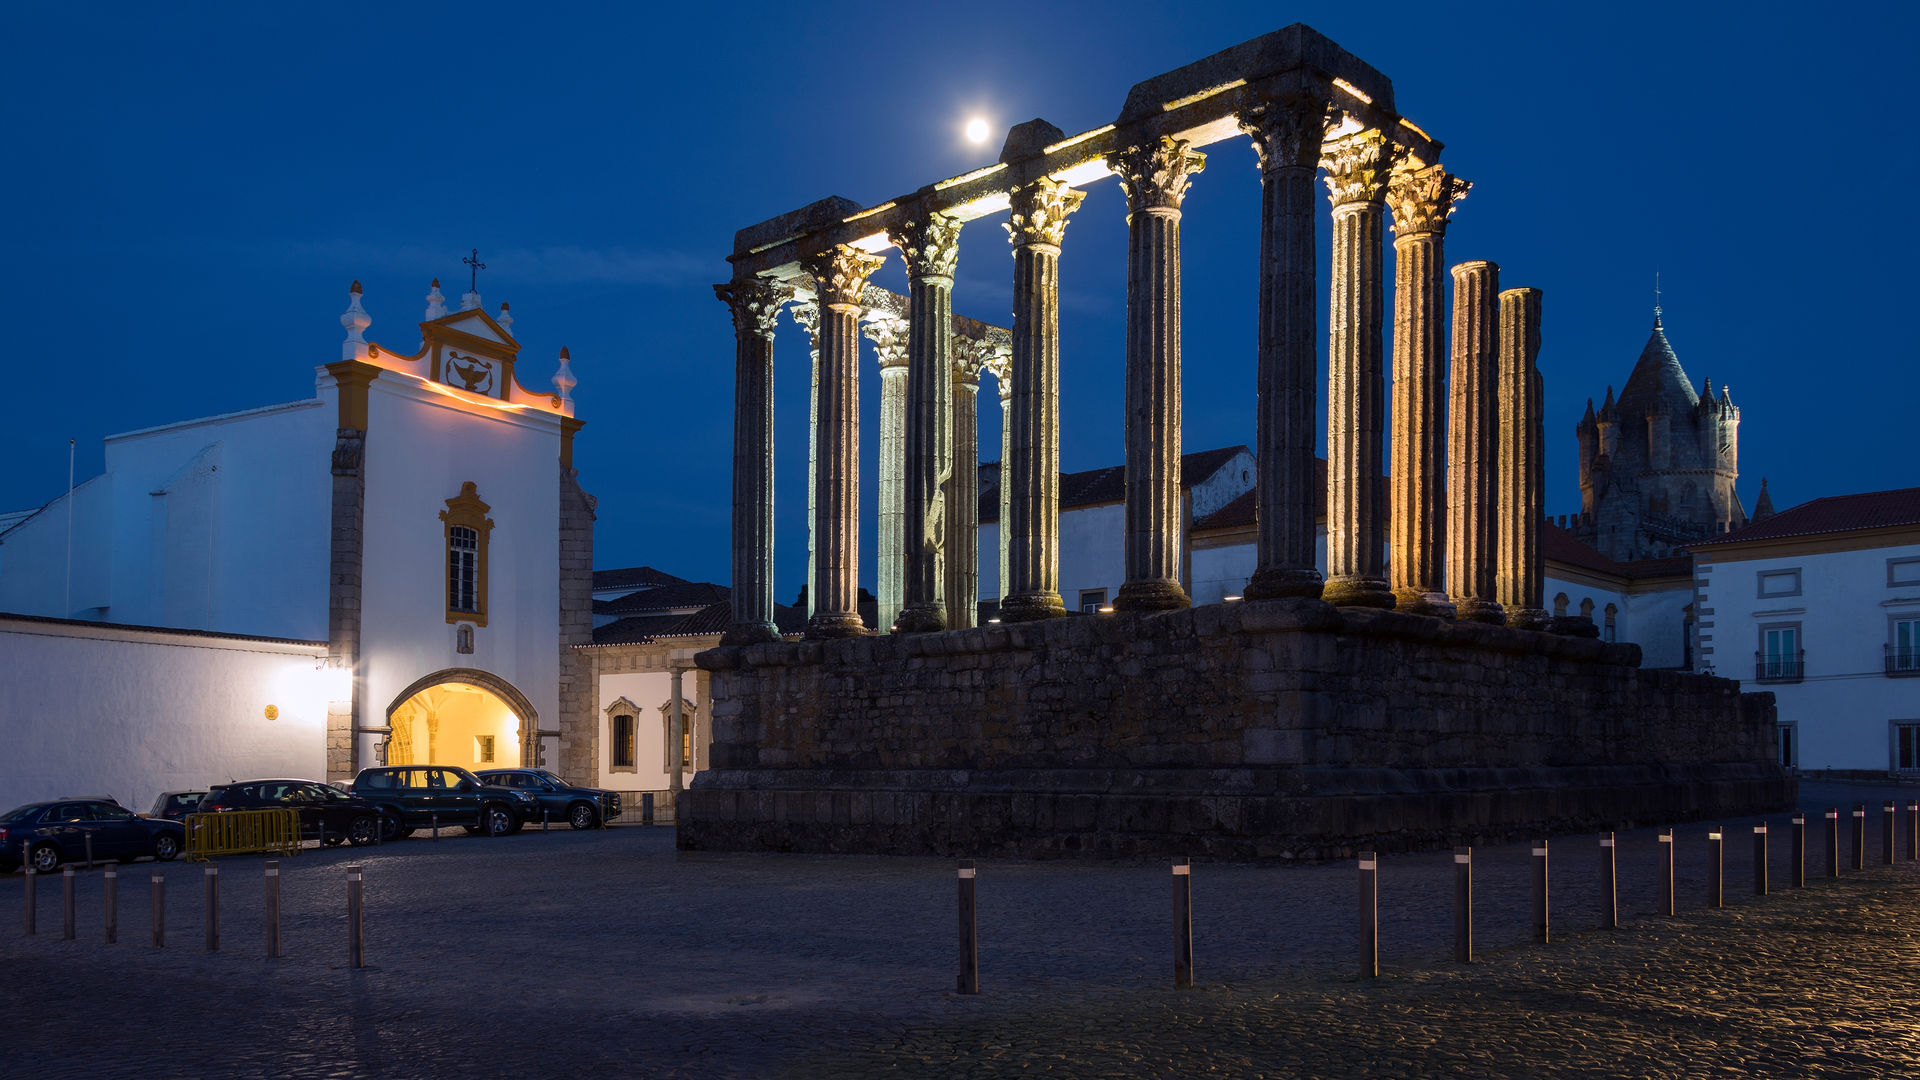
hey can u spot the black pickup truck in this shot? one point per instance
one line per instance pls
(413, 797)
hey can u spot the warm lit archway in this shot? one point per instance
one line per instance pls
(460, 716)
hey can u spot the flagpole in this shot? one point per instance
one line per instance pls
(66, 611)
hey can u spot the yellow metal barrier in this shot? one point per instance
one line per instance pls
(238, 832)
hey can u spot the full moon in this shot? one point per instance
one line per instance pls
(976, 130)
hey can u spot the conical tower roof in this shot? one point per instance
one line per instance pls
(1657, 379)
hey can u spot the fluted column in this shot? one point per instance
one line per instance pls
(1031, 467)
(931, 246)
(1006, 490)
(1155, 178)
(840, 275)
(1356, 536)
(807, 314)
(1472, 467)
(1286, 137)
(756, 308)
(1522, 440)
(1422, 199)
(890, 342)
(963, 490)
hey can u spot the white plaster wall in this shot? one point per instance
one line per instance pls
(33, 556)
(1220, 572)
(103, 711)
(1227, 483)
(1845, 704)
(420, 448)
(1092, 551)
(1656, 621)
(990, 561)
(649, 690)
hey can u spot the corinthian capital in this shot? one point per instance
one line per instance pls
(889, 337)
(840, 275)
(1040, 212)
(1155, 176)
(755, 303)
(1422, 199)
(931, 246)
(1357, 168)
(970, 357)
(1287, 132)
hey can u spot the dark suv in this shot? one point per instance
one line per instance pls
(413, 797)
(325, 814)
(580, 807)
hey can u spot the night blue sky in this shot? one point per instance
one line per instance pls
(187, 200)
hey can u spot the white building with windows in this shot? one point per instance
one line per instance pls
(1820, 604)
(391, 571)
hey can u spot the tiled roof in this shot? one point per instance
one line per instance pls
(1241, 512)
(1561, 546)
(709, 621)
(1835, 513)
(633, 577)
(680, 594)
(1109, 485)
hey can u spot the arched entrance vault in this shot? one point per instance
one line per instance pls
(461, 716)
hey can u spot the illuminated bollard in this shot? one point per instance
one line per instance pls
(1797, 868)
(1609, 889)
(113, 905)
(1666, 873)
(33, 904)
(1542, 932)
(1716, 894)
(159, 910)
(1760, 859)
(1369, 914)
(1833, 843)
(1463, 904)
(969, 980)
(1886, 835)
(66, 904)
(1859, 846)
(1182, 922)
(356, 943)
(273, 909)
(213, 908)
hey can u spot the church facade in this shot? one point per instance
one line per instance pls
(393, 570)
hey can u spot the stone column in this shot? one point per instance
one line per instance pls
(808, 316)
(1421, 198)
(1005, 545)
(1356, 536)
(1031, 468)
(1286, 134)
(1522, 441)
(890, 342)
(840, 275)
(931, 246)
(756, 307)
(1472, 413)
(675, 739)
(1154, 177)
(963, 489)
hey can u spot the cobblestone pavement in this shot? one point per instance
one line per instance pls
(608, 953)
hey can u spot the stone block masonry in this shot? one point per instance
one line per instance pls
(1282, 729)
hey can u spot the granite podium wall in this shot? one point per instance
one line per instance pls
(1284, 729)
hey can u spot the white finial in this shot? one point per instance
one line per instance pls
(356, 321)
(470, 301)
(436, 304)
(505, 320)
(563, 379)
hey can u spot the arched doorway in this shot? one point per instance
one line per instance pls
(460, 716)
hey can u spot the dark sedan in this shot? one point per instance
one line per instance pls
(326, 814)
(580, 807)
(43, 835)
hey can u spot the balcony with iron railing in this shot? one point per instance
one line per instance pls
(1779, 668)
(1902, 660)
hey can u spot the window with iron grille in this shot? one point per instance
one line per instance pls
(463, 569)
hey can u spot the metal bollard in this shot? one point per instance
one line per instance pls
(87, 839)
(969, 981)
(1797, 858)
(646, 808)
(1463, 905)
(1542, 933)
(159, 911)
(1369, 914)
(436, 826)
(1609, 886)
(66, 904)
(1860, 836)
(273, 909)
(213, 908)
(356, 950)
(33, 905)
(1182, 923)
(1716, 892)
(544, 814)
(1913, 830)
(1886, 835)
(1760, 859)
(113, 905)
(1666, 874)
(1833, 842)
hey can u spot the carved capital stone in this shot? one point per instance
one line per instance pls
(930, 245)
(970, 358)
(1155, 176)
(1040, 211)
(889, 337)
(1422, 199)
(807, 314)
(755, 304)
(841, 274)
(1288, 131)
(1357, 169)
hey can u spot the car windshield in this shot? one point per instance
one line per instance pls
(461, 774)
(550, 778)
(21, 813)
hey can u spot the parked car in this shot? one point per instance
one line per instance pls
(580, 807)
(325, 814)
(45, 834)
(416, 796)
(174, 805)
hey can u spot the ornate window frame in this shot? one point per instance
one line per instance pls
(689, 752)
(623, 709)
(467, 511)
